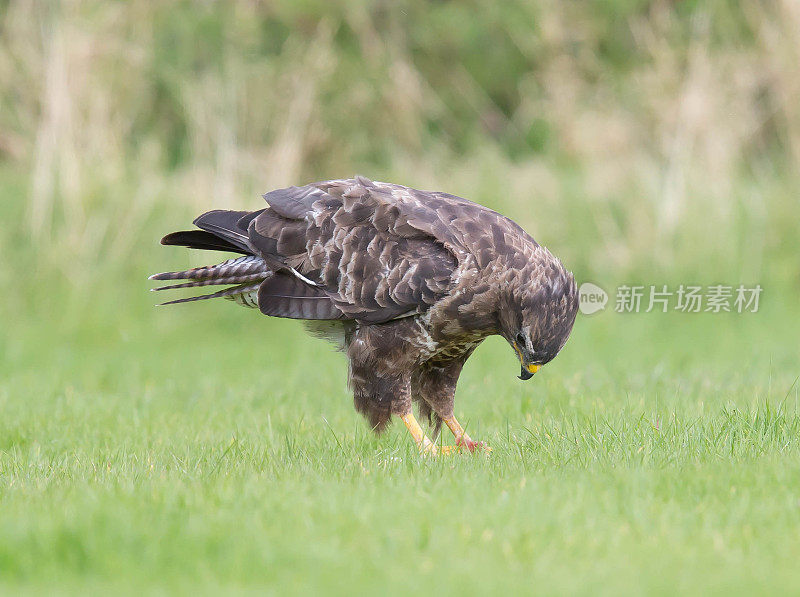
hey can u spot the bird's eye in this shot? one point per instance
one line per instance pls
(521, 339)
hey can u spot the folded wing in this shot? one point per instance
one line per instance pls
(350, 249)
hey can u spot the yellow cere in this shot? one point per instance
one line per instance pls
(533, 368)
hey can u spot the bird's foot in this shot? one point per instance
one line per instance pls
(459, 448)
(472, 445)
(462, 439)
(429, 448)
(436, 450)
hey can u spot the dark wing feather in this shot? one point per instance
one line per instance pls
(370, 253)
(245, 220)
(294, 202)
(284, 295)
(225, 224)
(200, 239)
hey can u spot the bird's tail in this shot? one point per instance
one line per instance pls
(220, 230)
(245, 274)
(258, 281)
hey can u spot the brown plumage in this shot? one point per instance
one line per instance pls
(407, 282)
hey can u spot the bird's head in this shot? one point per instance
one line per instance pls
(540, 311)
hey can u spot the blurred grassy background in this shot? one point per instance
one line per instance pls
(642, 141)
(637, 138)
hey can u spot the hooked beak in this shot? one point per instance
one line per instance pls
(528, 369)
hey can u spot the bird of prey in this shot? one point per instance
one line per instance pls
(407, 283)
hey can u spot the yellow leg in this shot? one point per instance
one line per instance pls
(425, 445)
(462, 439)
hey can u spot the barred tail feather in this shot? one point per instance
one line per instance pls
(239, 266)
(241, 294)
(246, 273)
(260, 277)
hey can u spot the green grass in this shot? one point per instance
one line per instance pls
(205, 447)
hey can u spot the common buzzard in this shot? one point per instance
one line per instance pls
(407, 283)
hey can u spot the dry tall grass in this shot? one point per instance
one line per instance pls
(647, 134)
